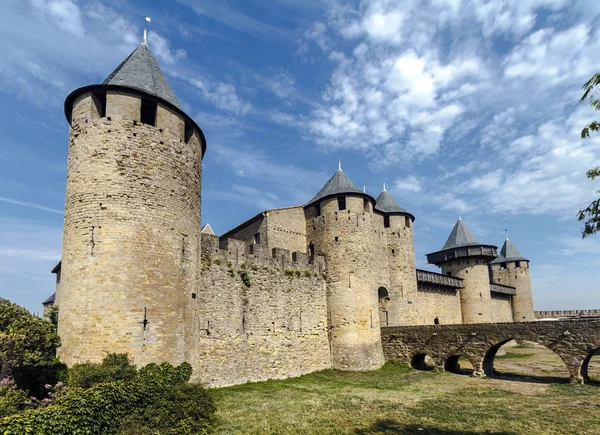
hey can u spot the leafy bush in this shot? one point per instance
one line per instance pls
(12, 400)
(114, 367)
(99, 409)
(28, 349)
(185, 410)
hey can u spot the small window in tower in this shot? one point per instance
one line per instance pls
(517, 264)
(449, 273)
(406, 222)
(386, 221)
(503, 266)
(189, 131)
(318, 210)
(311, 249)
(257, 238)
(337, 239)
(148, 111)
(393, 251)
(341, 202)
(366, 204)
(99, 101)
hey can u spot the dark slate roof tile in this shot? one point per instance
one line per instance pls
(338, 184)
(385, 203)
(461, 235)
(141, 71)
(509, 252)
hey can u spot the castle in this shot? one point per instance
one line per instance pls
(289, 291)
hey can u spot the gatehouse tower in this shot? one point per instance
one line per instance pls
(462, 256)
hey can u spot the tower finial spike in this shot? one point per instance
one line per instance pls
(146, 20)
(384, 186)
(364, 188)
(459, 217)
(506, 234)
(339, 165)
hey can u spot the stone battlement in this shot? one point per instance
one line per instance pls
(238, 252)
(566, 313)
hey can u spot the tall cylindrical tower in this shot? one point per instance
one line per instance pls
(340, 227)
(131, 241)
(464, 257)
(512, 269)
(400, 306)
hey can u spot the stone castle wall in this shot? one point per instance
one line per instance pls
(517, 277)
(501, 308)
(433, 301)
(131, 234)
(261, 316)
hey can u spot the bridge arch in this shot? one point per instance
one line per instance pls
(584, 370)
(419, 362)
(452, 365)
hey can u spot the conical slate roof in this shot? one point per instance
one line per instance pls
(385, 203)
(338, 184)
(141, 71)
(509, 252)
(461, 235)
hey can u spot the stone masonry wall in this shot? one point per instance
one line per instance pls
(354, 250)
(286, 228)
(501, 310)
(475, 299)
(404, 306)
(517, 277)
(433, 302)
(261, 316)
(131, 236)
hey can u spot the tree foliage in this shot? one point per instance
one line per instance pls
(591, 214)
(28, 349)
(114, 367)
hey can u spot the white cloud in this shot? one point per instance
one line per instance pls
(30, 205)
(222, 95)
(409, 184)
(63, 14)
(160, 47)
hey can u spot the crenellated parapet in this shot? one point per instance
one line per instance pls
(237, 253)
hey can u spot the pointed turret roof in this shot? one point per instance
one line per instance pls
(141, 71)
(386, 203)
(461, 235)
(338, 184)
(509, 252)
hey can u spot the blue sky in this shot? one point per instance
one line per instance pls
(462, 106)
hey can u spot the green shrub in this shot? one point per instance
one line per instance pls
(114, 367)
(99, 409)
(307, 273)
(12, 400)
(245, 278)
(185, 410)
(289, 272)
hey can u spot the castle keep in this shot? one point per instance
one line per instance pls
(288, 292)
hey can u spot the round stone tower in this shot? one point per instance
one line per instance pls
(131, 241)
(464, 257)
(340, 227)
(399, 307)
(512, 269)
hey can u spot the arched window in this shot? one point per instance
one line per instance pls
(383, 294)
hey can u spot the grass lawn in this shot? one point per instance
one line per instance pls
(399, 400)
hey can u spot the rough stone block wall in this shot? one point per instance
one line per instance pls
(501, 308)
(168, 120)
(356, 261)
(286, 228)
(475, 299)
(260, 318)
(517, 277)
(432, 301)
(402, 277)
(131, 236)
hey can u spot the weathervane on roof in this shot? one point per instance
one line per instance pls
(506, 234)
(384, 186)
(339, 165)
(459, 218)
(147, 20)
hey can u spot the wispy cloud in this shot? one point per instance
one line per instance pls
(30, 205)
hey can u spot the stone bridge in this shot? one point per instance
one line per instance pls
(575, 341)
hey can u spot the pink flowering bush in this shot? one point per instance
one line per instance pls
(12, 400)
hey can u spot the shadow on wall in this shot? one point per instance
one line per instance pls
(394, 427)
